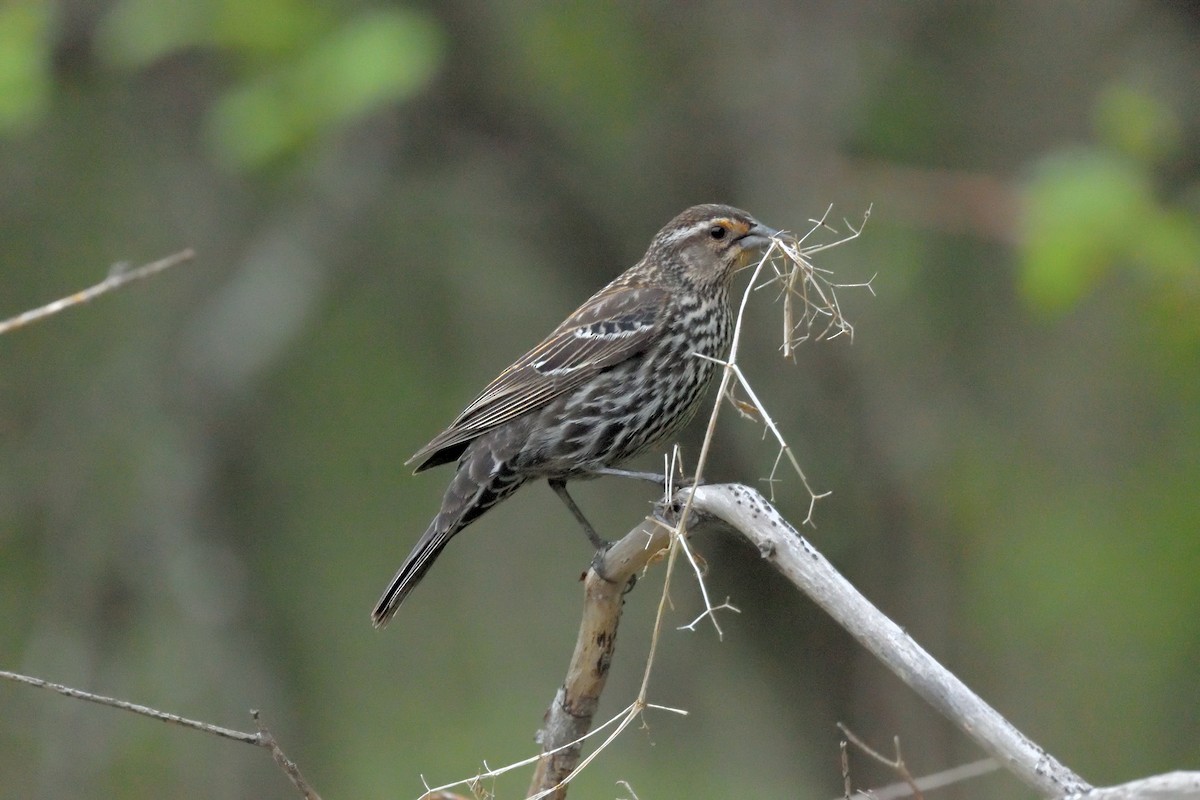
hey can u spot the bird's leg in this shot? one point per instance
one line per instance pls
(560, 488)
(653, 477)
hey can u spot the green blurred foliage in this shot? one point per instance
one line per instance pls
(1085, 211)
(25, 84)
(561, 49)
(201, 477)
(1135, 122)
(303, 70)
(1092, 210)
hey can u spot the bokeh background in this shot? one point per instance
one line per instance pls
(202, 487)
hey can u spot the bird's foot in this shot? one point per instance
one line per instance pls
(598, 568)
(597, 565)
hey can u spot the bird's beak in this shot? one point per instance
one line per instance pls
(758, 236)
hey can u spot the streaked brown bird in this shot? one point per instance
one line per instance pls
(616, 377)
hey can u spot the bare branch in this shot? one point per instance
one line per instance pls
(145, 711)
(749, 513)
(118, 276)
(263, 738)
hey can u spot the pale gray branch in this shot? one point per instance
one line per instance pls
(1168, 786)
(748, 512)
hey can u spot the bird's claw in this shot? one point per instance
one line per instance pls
(597, 565)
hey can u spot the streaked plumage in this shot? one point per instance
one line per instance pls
(616, 377)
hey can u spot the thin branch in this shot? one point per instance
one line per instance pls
(845, 753)
(263, 738)
(118, 276)
(938, 780)
(784, 448)
(146, 711)
(625, 785)
(710, 610)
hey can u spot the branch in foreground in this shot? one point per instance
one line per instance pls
(117, 277)
(569, 717)
(263, 738)
(748, 512)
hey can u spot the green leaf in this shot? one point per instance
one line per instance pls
(377, 58)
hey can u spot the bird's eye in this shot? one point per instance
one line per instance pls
(717, 232)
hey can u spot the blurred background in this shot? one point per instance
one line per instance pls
(202, 488)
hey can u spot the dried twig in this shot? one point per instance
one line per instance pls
(118, 276)
(802, 282)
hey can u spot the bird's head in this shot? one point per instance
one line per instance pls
(711, 242)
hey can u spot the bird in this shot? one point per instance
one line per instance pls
(625, 371)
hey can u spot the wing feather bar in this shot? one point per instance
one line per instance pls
(615, 324)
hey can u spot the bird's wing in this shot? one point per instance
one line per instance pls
(615, 324)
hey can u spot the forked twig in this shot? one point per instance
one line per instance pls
(896, 764)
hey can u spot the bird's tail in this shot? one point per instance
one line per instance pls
(477, 486)
(411, 571)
